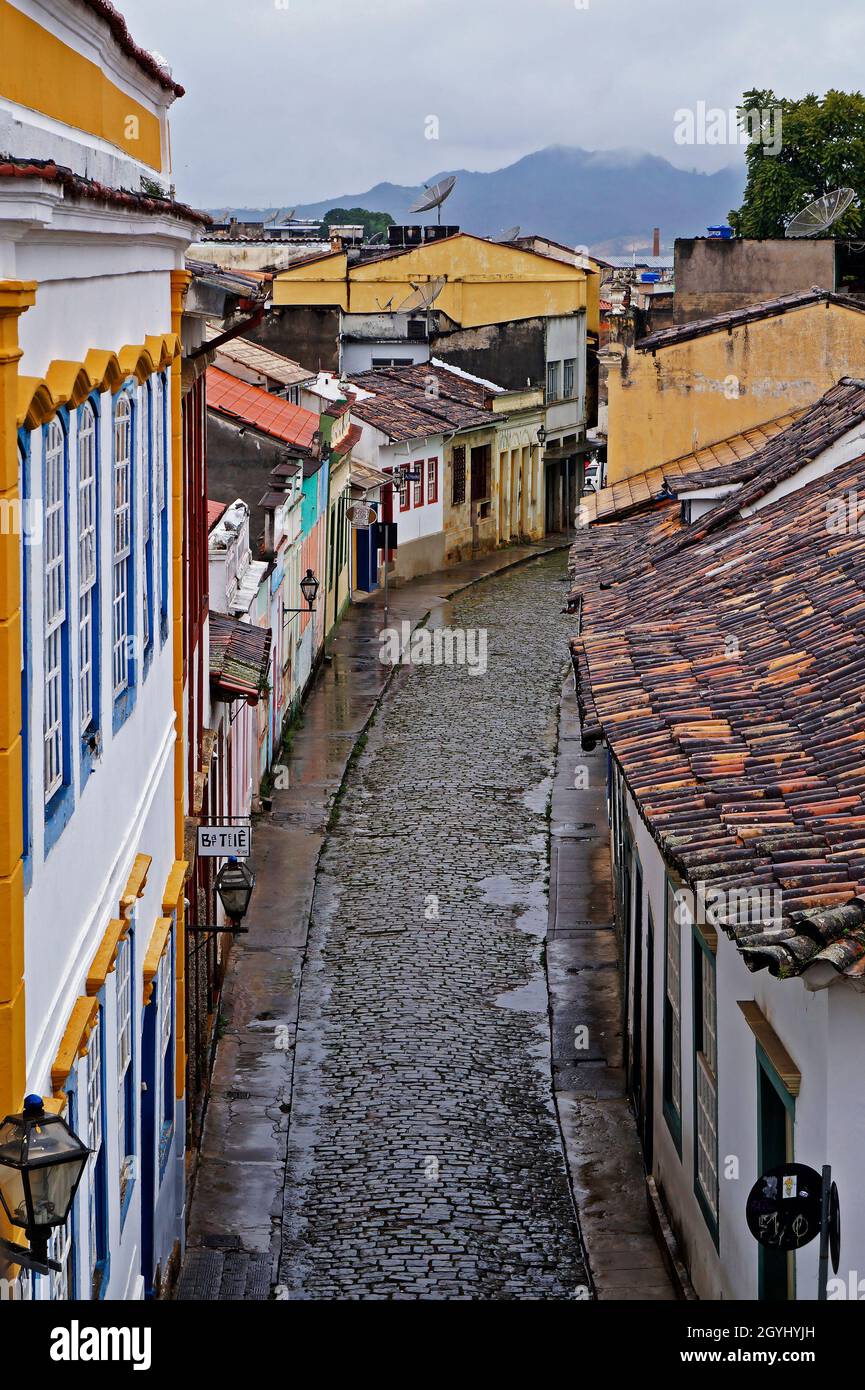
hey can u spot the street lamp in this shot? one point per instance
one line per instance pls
(234, 884)
(41, 1164)
(542, 434)
(309, 587)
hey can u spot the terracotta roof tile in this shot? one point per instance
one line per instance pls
(259, 410)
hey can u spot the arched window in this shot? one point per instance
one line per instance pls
(88, 590)
(56, 606)
(122, 577)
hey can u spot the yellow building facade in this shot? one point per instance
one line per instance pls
(485, 282)
(684, 390)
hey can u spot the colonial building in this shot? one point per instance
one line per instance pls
(696, 384)
(92, 1002)
(719, 660)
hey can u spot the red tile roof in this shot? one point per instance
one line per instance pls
(124, 40)
(258, 409)
(737, 318)
(239, 657)
(74, 186)
(214, 512)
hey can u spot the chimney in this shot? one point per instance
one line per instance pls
(656, 241)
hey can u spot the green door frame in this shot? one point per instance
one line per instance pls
(766, 1070)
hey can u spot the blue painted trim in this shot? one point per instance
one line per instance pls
(124, 704)
(58, 811)
(132, 1088)
(165, 559)
(24, 440)
(147, 558)
(89, 757)
(103, 1262)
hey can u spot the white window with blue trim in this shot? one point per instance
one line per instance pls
(125, 1073)
(57, 763)
(147, 525)
(97, 1202)
(161, 556)
(123, 566)
(88, 570)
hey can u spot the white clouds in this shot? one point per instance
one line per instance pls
(328, 96)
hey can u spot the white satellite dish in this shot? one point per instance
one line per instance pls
(819, 216)
(435, 196)
(423, 296)
(510, 235)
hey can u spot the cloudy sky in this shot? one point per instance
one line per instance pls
(290, 101)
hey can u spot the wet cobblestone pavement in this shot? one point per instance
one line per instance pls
(424, 1156)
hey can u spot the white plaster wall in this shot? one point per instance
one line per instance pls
(824, 1032)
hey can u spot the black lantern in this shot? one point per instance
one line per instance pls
(309, 587)
(234, 884)
(542, 434)
(41, 1164)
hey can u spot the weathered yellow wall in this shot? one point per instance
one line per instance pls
(699, 392)
(486, 282)
(39, 71)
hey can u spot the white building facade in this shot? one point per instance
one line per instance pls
(97, 1026)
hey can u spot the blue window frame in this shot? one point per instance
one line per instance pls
(125, 975)
(165, 1054)
(123, 633)
(26, 649)
(163, 495)
(97, 1191)
(148, 525)
(89, 614)
(56, 671)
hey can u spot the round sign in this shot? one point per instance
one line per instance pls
(834, 1228)
(360, 514)
(784, 1209)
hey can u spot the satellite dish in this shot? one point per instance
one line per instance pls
(377, 239)
(435, 196)
(284, 216)
(819, 216)
(510, 235)
(423, 296)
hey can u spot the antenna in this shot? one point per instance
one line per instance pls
(819, 216)
(435, 196)
(510, 235)
(422, 296)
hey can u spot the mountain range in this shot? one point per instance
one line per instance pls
(607, 200)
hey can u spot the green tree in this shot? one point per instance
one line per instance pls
(821, 148)
(372, 222)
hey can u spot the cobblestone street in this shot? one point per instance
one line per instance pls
(424, 1156)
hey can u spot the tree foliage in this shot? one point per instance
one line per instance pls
(822, 147)
(372, 222)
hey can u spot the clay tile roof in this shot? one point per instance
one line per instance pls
(404, 407)
(727, 680)
(260, 359)
(239, 658)
(735, 318)
(625, 496)
(124, 40)
(259, 410)
(75, 186)
(214, 513)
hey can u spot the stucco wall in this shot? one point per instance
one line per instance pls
(669, 402)
(713, 275)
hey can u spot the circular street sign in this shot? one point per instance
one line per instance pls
(784, 1208)
(361, 515)
(834, 1228)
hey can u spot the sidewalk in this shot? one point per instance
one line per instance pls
(236, 1207)
(601, 1143)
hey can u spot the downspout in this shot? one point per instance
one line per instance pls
(180, 281)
